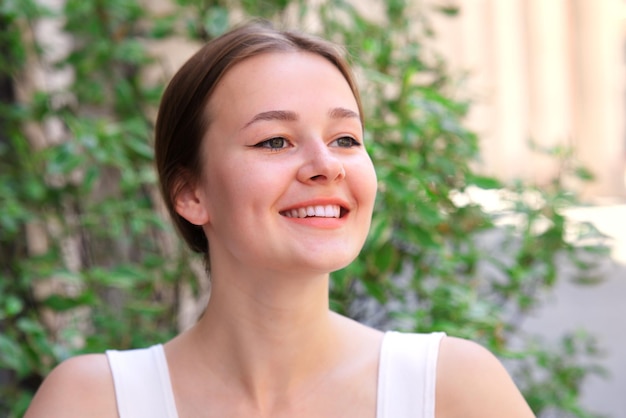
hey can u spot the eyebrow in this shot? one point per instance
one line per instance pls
(342, 113)
(287, 115)
(284, 115)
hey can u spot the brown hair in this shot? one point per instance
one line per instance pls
(182, 120)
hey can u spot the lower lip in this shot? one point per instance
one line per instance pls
(320, 223)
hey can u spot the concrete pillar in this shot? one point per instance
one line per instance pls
(508, 154)
(549, 78)
(599, 101)
(476, 33)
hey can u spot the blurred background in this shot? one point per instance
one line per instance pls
(550, 74)
(546, 72)
(496, 128)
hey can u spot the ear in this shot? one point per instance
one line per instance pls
(189, 203)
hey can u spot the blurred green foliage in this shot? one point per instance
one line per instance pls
(88, 262)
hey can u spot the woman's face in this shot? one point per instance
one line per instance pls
(287, 184)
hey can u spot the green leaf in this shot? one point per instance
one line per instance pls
(62, 303)
(216, 21)
(584, 174)
(484, 182)
(163, 26)
(12, 306)
(11, 356)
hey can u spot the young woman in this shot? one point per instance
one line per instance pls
(260, 154)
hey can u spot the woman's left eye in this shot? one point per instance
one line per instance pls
(346, 142)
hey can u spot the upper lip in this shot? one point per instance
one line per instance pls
(343, 206)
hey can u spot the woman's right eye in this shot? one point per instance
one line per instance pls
(275, 143)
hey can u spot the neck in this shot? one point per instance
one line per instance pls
(271, 334)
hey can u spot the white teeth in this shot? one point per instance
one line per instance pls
(328, 211)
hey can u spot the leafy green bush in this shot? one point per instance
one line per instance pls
(89, 262)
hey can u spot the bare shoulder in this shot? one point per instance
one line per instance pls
(79, 387)
(471, 382)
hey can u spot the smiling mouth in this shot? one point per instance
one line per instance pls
(318, 211)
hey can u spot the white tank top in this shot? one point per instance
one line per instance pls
(406, 379)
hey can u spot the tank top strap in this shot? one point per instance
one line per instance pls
(407, 375)
(142, 383)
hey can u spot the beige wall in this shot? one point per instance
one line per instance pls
(550, 70)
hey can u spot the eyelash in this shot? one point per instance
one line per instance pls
(267, 143)
(353, 142)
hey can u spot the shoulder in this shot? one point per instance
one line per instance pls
(471, 382)
(78, 387)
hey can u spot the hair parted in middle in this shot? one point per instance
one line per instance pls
(183, 118)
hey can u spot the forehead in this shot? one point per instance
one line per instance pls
(278, 63)
(281, 80)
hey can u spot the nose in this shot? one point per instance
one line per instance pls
(320, 166)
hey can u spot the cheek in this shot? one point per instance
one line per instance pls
(367, 183)
(238, 184)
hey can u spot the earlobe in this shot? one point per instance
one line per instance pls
(189, 204)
